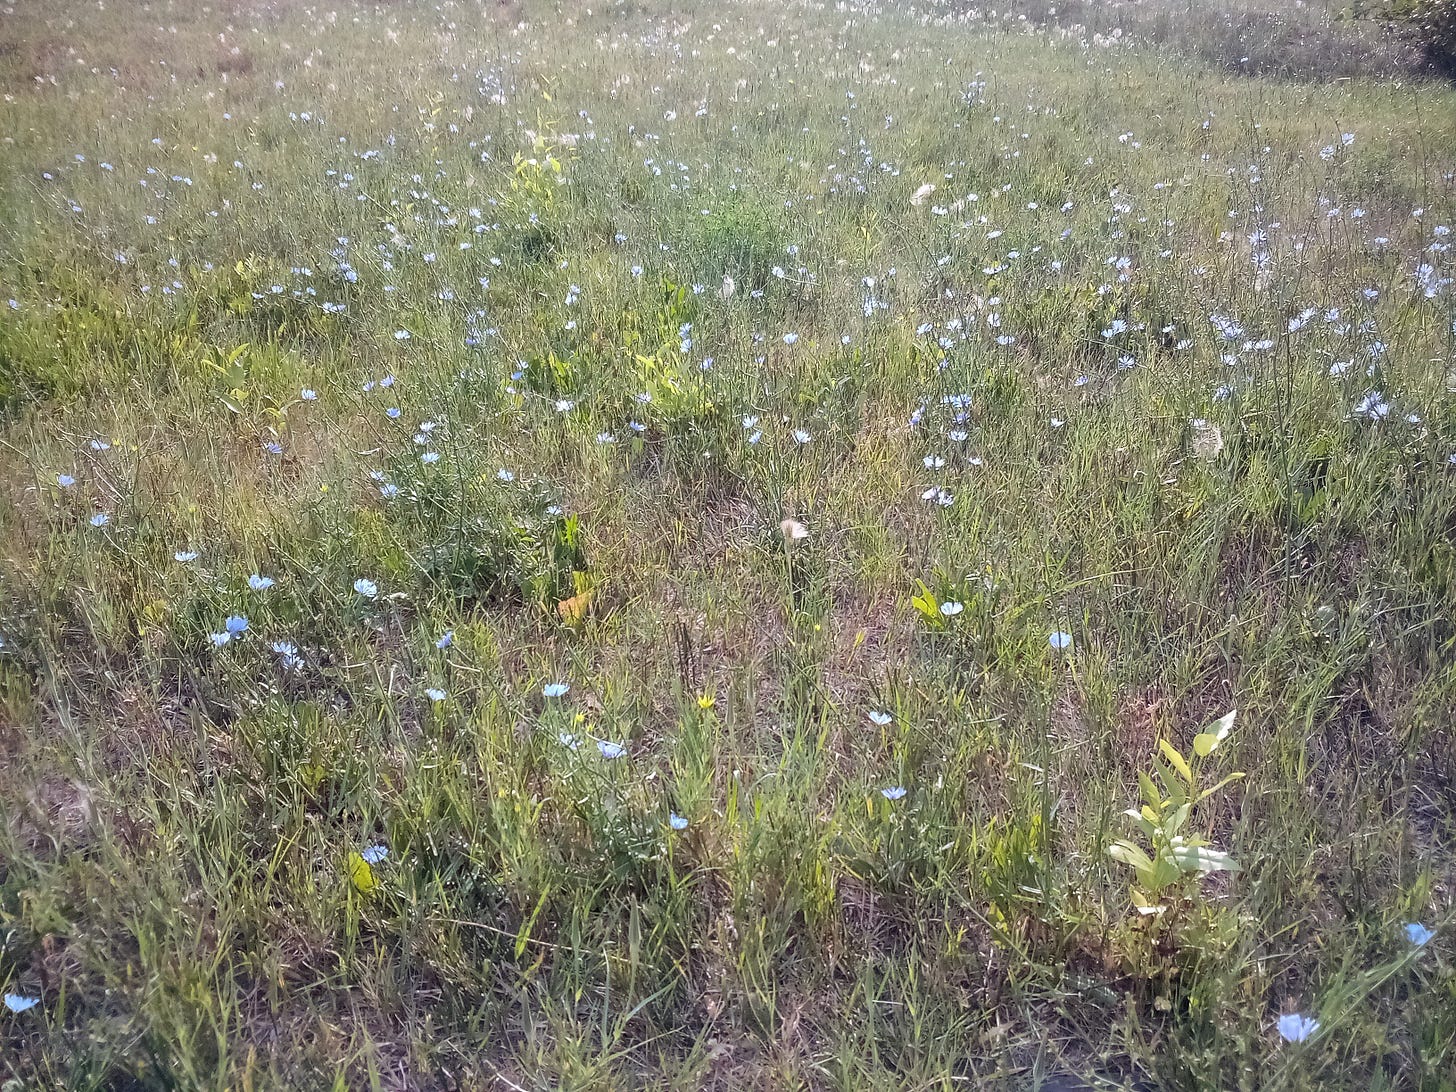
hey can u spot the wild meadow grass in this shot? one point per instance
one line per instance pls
(650, 546)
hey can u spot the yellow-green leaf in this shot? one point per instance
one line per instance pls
(1177, 761)
(361, 875)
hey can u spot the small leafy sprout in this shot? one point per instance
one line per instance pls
(1060, 641)
(260, 583)
(367, 588)
(1168, 804)
(676, 821)
(893, 792)
(611, 750)
(19, 1002)
(881, 718)
(555, 690)
(1295, 1027)
(1418, 934)
(374, 854)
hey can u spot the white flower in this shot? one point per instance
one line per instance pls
(367, 588)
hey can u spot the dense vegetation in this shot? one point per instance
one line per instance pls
(638, 546)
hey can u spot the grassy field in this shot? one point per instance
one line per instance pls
(629, 546)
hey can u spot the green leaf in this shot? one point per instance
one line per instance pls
(1124, 852)
(1207, 741)
(925, 603)
(1177, 761)
(1151, 795)
(1225, 782)
(1203, 859)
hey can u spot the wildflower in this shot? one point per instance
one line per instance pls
(1060, 641)
(1296, 1027)
(555, 689)
(951, 608)
(793, 530)
(100, 519)
(219, 639)
(447, 640)
(434, 693)
(1207, 440)
(392, 413)
(19, 1002)
(568, 740)
(308, 395)
(389, 491)
(185, 556)
(100, 445)
(504, 475)
(273, 447)
(676, 821)
(260, 583)
(402, 335)
(430, 458)
(367, 588)
(894, 792)
(1418, 934)
(235, 624)
(611, 750)
(374, 854)
(790, 338)
(65, 481)
(802, 436)
(880, 718)
(289, 653)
